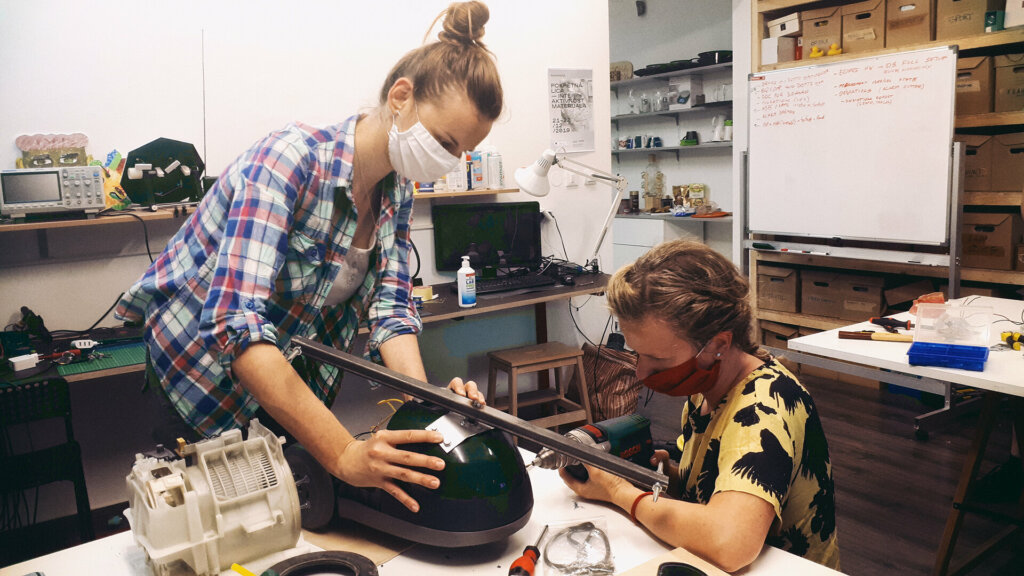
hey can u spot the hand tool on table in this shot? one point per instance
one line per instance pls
(525, 564)
(891, 324)
(869, 335)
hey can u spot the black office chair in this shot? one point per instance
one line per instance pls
(28, 402)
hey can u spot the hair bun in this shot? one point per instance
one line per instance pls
(464, 23)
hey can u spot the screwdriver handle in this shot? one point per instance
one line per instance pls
(525, 564)
(891, 323)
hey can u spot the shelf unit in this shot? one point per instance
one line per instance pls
(466, 194)
(992, 123)
(115, 218)
(699, 70)
(676, 149)
(671, 218)
(671, 113)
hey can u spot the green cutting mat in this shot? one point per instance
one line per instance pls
(120, 355)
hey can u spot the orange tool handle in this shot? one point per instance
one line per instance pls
(525, 564)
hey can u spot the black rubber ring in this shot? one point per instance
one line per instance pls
(331, 562)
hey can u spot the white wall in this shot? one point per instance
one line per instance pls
(268, 63)
(317, 61)
(676, 30)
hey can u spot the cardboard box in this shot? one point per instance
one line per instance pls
(788, 25)
(958, 18)
(863, 26)
(1018, 261)
(778, 288)
(974, 85)
(820, 293)
(1009, 93)
(777, 336)
(775, 50)
(908, 292)
(822, 28)
(978, 163)
(909, 22)
(861, 297)
(1008, 162)
(990, 240)
(1014, 15)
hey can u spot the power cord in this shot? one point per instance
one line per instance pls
(145, 227)
(559, 230)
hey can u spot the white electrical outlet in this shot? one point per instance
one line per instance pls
(571, 181)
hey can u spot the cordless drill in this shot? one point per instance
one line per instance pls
(628, 437)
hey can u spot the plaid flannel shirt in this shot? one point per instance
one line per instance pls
(255, 262)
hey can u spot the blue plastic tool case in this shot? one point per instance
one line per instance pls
(948, 355)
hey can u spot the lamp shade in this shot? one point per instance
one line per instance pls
(533, 179)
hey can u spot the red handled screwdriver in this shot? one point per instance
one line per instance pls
(525, 564)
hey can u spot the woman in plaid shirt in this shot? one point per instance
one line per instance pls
(306, 234)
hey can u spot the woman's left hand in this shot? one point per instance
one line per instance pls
(600, 486)
(467, 389)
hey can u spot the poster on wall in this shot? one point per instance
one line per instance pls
(571, 101)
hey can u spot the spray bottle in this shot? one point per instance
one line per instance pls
(467, 284)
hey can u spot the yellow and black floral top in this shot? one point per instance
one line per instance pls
(765, 438)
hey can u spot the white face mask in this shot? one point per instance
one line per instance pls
(417, 155)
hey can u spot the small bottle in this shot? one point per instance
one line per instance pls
(467, 284)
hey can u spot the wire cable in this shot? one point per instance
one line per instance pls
(59, 333)
(593, 380)
(145, 227)
(559, 230)
(585, 337)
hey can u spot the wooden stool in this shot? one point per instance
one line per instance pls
(540, 358)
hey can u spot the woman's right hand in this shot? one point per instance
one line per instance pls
(378, 462)
(659, 458)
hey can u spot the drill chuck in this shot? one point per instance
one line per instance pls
(551, 460)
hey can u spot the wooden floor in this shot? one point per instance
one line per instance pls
(893, 493)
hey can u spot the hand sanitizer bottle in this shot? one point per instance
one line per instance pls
(467, 284)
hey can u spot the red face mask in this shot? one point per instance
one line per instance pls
(685, 379)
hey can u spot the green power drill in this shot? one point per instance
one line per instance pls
(628, 437)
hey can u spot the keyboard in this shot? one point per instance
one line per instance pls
(509, 283)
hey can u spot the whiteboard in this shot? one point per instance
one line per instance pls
(858, 149)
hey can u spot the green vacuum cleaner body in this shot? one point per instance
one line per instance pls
(485, 493)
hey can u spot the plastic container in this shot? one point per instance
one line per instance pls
(948, 356)
(951, 336)
(466, 282)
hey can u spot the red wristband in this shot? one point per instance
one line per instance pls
(632, 510)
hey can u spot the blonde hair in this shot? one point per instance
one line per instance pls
(458, 59)
(696, 290)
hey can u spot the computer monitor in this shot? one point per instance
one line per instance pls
(494, 235)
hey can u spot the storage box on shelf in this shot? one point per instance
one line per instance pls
(959, 18)
(1009, 83)
(990, 240)
(974, 81)
(864, 26)
(778, 288)
(909, 22)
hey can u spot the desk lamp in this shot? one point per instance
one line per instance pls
(534, 181)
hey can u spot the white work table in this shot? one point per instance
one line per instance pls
(632, 547)
(1004, 370)
(1003, 374)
